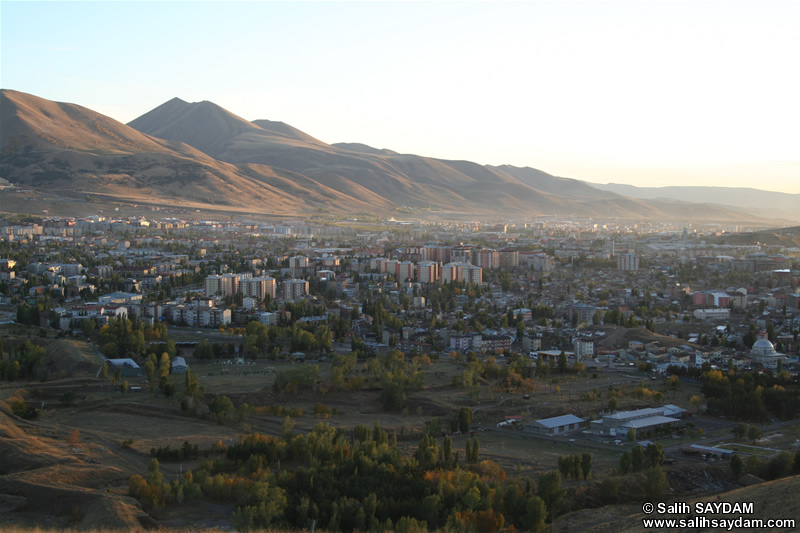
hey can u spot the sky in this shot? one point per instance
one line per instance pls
(640, 92)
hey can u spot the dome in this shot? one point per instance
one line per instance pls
(763, 347)
(764, 352)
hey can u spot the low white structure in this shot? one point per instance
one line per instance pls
(640, 420)
(179, 365)
(556, 425)
(712, 314)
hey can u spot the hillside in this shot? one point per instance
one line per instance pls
(770, 502)
(78, 152)
(783, 237)
(750, 199)
(199, 155)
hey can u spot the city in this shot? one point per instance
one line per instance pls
(613, 337)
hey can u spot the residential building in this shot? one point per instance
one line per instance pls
(427, 271)
(259, 288)
(292, 289)
(627, 261)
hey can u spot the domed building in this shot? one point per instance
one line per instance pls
(764, 352)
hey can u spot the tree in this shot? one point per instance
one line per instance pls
(637, 458)
(655, 483)
(551, 492)
(740, 430)
(586, 464)
(535, 514)
(613, 403)
(242, 413)
(67, 399)
(737, 466)
(696, 401)
(154, 477)
(654, 455)
(473, 451)
(632, 435)
(286, 428)
(754, 433)
(222, 406)
(465, 417)
(447, 449)
(625, 463)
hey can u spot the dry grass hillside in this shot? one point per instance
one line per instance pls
(772, 500)
(199, 155)
(72, 152)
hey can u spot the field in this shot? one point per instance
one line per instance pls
(83, 453)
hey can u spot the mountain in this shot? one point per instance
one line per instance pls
(199, 154)
(76, 151)
(754, 201)
(355, 170)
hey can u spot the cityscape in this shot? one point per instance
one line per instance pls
(506, 340)
(399, 267)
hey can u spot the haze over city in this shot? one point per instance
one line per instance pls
(649, 93)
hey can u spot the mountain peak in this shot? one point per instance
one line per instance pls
(204, 125)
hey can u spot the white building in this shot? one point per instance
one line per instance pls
(712, 314)
(556, 425)
(627, 261)
(583, 349)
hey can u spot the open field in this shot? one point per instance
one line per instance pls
(89, 476)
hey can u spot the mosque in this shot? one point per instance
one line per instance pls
(764, 352)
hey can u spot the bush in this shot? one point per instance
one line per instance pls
(23, 410)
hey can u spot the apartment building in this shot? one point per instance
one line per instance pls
(292, 289)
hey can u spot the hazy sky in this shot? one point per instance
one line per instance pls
(640, 92)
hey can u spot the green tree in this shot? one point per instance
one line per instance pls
(533, 519)
(609, 490)
(637, 458)
(465, 417)
(737, 466)
(754, 433)
(586, 464)
(655, 483)
(613, 403)
(67, 399)
(447, 449)
(562, 362)
(286, 429)
(654, 455)
(222, 406)
(625, 463)
(551, 492)
(154, 478)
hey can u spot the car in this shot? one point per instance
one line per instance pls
(526, 397)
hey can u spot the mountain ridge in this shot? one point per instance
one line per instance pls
(200, 153)
(749, 198)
